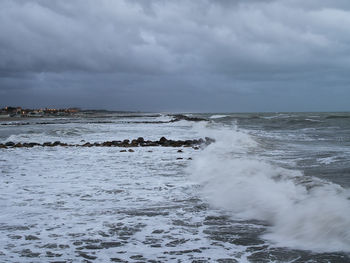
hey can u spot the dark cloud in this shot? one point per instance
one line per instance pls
(175, 55)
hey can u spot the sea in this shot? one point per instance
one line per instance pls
(273, 187)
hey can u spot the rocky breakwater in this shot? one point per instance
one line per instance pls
(139, 142)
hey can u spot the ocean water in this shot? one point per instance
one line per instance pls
(273, 187)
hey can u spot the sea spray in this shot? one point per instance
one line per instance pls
(302, 212)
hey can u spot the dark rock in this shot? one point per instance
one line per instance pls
(134, 143)
(140, 140)
(163, 140)
(131, 150)
(56, 143)
(188, 142)
(179, 158)
(151, 144)
(179, 151)
(126, 143)
(122, 151)
(107, 144)
(196, 147)
(116, 143)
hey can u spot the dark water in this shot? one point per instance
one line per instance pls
(318, 143)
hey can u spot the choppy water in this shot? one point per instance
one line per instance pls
(272, 188)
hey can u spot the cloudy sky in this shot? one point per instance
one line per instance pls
(183, 55)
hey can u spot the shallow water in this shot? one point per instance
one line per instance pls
(265, 191)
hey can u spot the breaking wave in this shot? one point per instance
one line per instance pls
(302, 212)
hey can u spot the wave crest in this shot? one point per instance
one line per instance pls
(303, 212)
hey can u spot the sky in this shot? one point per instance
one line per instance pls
(183, 56)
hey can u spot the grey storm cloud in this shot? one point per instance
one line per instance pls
(247, 50)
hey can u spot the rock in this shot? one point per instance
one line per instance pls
(162, 140)
(107, 144)
(134, 143)
(10, 144)
(140, 140)
(56, 143)
(188, 142)
(122, 151)
(179, 158)
(179, 151)
(131, 150)
(116, 143)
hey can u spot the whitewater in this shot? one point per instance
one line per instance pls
(270, 188)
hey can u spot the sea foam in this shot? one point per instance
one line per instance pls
(302, 212)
